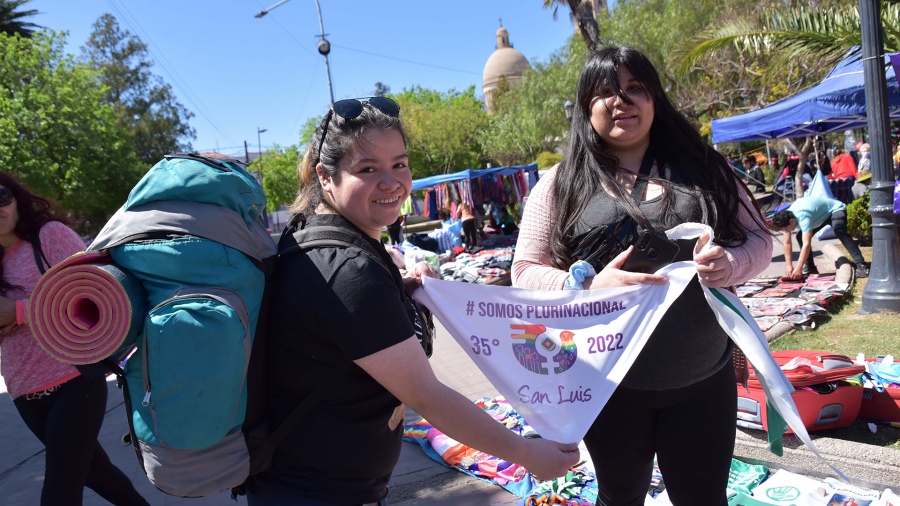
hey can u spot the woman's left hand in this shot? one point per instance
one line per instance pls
(713, 264)
(413, 278)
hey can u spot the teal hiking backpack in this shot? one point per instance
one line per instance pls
(191, 232)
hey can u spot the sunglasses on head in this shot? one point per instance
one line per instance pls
(6, 197)
(351, 108)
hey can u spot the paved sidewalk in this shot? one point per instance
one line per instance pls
(417, 480)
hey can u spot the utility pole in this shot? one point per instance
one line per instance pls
(324, 47)
(882, 291)
(246, 154)
(260, 170)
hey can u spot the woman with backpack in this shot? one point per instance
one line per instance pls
(346, 308)
(633, 157)
(61, 406)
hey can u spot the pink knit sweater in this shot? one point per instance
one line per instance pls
(531, 263)
(25, 366)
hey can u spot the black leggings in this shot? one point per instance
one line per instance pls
(691, 430)
(468, 233)
(68, 422)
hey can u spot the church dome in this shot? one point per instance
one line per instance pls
(505, 61)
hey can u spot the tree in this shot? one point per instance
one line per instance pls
(381, 89)
(583, 16)
(444, 130)
(56, 132)
(788, 33)
(279, 175)
(783, 35)
(722, 84)
(11, 21)
(529, 117)
(144, 104)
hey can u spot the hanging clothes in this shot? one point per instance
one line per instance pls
(407, 207)
(431, 204)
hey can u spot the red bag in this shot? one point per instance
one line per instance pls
(818, 410)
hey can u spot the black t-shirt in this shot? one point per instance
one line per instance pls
(329, 305)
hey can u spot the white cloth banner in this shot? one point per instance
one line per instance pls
(557, 356)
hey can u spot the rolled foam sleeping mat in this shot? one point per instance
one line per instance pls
(87, 308)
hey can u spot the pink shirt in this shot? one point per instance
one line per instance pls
(25, 366)
(531, 264)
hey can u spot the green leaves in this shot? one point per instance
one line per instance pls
(56, 133)
(443, 129)
(145, 105)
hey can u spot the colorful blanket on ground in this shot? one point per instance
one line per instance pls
(577, 488)
(770, 300)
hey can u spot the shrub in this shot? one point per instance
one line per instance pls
(546, 159)
(859, 221)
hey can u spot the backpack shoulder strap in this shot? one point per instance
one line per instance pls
(39, 258)
(325, 236)
(316, 237)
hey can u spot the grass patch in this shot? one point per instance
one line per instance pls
(847, 332)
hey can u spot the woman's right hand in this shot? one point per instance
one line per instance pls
(548, 459)
(612, 275)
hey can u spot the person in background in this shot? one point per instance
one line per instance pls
(337, 305)
(861, 186)
(467, 217)
(507, 223)
(679, 400)
(819, 161)
(842, 166)
(807, 215)
(864, 158)
(739, 168)
(61, 406)
(755, 177)
(395, 228)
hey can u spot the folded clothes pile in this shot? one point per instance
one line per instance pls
(487, 266)
(800, 303)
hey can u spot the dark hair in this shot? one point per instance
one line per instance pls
(750, 159)
(782, 219)
(341, 136)
(33, 213)
(588, 167)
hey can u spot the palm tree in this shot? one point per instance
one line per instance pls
(786, 35)
(583, 15)
(11, 21)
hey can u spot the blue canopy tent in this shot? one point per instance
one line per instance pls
(836, 104)
(428, 182)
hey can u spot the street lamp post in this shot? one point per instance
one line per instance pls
(569, 109)
(882, 291)
(324, 47)
(259, 171)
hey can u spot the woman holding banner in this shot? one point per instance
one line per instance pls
(345, 308)
(632, 155)
(61, 406)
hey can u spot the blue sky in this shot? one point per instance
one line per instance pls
(238, 73)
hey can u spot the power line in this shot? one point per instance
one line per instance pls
(407, 61)
(164, 63)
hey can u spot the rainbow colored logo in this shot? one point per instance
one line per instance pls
(534, 347)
